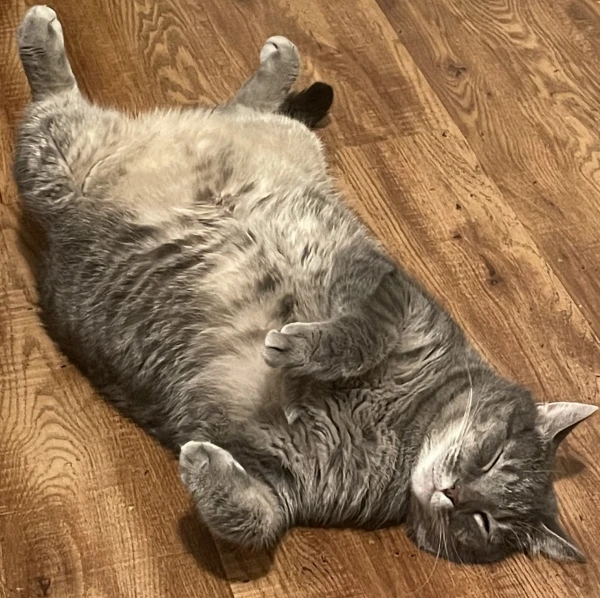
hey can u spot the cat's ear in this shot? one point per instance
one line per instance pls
(556, 420)
(553, 542)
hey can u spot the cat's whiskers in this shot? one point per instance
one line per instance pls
(454, 450)
(520, 543)
(445, 537)
(437, 556)
(456, 551)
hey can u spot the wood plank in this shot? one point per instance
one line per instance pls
(522, 82)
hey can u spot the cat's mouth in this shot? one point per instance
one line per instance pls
(440, 501)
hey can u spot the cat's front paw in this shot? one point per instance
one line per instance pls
(293, 346)
(204, 458)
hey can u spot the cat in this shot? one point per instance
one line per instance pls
(204, 272)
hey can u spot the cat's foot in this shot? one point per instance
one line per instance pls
(40, 29)
(42, 51)
(293, 346)
(267, 89)
(234, 505)
(280, 54)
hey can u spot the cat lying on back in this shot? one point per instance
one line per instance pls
(203, 271)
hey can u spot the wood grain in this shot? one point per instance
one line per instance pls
(523, 84)
(446, 113)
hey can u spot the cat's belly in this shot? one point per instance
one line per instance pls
(157, 166)
(247, 385)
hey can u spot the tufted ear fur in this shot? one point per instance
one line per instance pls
(556, 420)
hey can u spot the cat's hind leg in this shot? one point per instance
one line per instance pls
(42, 52)
(44, 169)
(235, 506)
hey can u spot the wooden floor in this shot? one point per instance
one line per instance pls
(467, 134)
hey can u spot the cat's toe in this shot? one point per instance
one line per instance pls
(278, 341)
(39, 22)
(278, 351)
(193, 455)
(299, 329)
(220, 458)
(40, 12)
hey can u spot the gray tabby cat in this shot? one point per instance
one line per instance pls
(202, 270)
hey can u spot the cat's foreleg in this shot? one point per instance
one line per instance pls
(363, 330)
(344, 347)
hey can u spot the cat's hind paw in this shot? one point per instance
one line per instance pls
(40, 28)
(281, 46)
(42, 52)
(202, 457)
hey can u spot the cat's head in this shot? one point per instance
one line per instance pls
(482, 483)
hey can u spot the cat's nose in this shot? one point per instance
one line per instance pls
(452, 493)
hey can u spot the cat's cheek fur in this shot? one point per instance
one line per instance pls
(431, 472)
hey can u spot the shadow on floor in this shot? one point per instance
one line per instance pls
(234, 564)
(567, 466)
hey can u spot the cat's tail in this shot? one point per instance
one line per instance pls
(310, 105)
(235, 506)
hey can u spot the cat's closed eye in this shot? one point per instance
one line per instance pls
(483, 523)
(494, 459)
